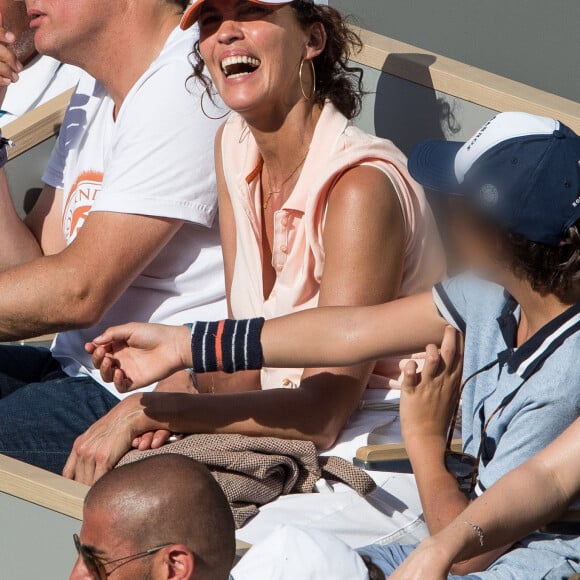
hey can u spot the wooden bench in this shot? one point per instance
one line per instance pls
(52, 500)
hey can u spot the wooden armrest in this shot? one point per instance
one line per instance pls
(38, 125)
(463, 81)
(42, 487)
(575, 577)
(394, 451)
(44, 338)
(51, 491)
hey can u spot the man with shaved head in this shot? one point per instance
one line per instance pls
(163, 517)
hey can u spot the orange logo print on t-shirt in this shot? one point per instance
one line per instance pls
(79, 202)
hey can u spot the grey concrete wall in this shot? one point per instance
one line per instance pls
(532, 41)
(34, 542)
(25, 175)
(407, 113)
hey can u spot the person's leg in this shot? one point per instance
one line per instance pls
(22, 365)
(389, 558)
(39, 422)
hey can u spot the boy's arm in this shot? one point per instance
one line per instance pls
(347, 336)
(428, 401)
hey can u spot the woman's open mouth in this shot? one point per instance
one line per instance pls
(235, 67)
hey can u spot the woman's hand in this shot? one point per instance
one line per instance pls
(180, 382)
(427, 561)
(135, 355)
(428, 400)
(100, 448)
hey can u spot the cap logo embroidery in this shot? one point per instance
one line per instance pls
(489, 195)
(478, 135)
(576, 203)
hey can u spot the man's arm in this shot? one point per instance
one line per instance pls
(503, 513)
(45, 221)
(74, 288)
(18, 243)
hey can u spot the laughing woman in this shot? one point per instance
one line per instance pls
(313, 212)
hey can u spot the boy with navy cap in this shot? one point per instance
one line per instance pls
(516, 216)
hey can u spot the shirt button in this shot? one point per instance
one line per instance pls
(284, 249)
(284, 221)
(279, 267)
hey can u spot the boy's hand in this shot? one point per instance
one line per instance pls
(429, 399)
(136, 355)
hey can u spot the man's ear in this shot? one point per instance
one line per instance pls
(316, 40)
(175, 562)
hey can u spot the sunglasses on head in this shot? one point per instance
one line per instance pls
(101, 569)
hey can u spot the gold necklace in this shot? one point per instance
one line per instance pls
(273, 192)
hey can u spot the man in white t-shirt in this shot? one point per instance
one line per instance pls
(124, 229)
(41, 78)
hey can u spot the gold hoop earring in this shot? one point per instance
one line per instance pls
(300, 74)
(203, 95)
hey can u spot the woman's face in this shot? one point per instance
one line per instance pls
(253, 53)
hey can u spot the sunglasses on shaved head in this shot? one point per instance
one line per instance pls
(102, 569)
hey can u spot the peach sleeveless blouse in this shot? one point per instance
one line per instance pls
(298, 252)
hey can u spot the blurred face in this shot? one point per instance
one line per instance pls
(476, 242)
(64, 28)
(16, 20)
(253, 52)
(96, 537)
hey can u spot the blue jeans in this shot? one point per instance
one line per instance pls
(42, 409)
(389, 558)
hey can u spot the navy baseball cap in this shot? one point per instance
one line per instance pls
(522, 170)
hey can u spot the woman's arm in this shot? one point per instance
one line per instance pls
(135, 355)
(221, 382)
(364, 247)
(529, 497)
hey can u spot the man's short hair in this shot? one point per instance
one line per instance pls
(170, 498)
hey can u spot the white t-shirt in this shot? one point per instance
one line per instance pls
(156, 159)
(43, 79)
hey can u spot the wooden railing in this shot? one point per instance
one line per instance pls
(462, 81)
(37, 126)
(390, 56)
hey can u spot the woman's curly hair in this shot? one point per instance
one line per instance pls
(549, 270)
(336, 80)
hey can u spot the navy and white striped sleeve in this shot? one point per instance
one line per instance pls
(450, 299)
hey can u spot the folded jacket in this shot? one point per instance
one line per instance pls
(253, 471)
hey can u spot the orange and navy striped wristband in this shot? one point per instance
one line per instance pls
(227, 345)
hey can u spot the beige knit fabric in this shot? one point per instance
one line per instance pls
(253, 471)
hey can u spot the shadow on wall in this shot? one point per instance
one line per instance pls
(406, 112)
(410, 112)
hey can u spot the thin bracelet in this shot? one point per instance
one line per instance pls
(191, 372)
(477, 529)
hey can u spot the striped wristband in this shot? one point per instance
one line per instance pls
(228, 345)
